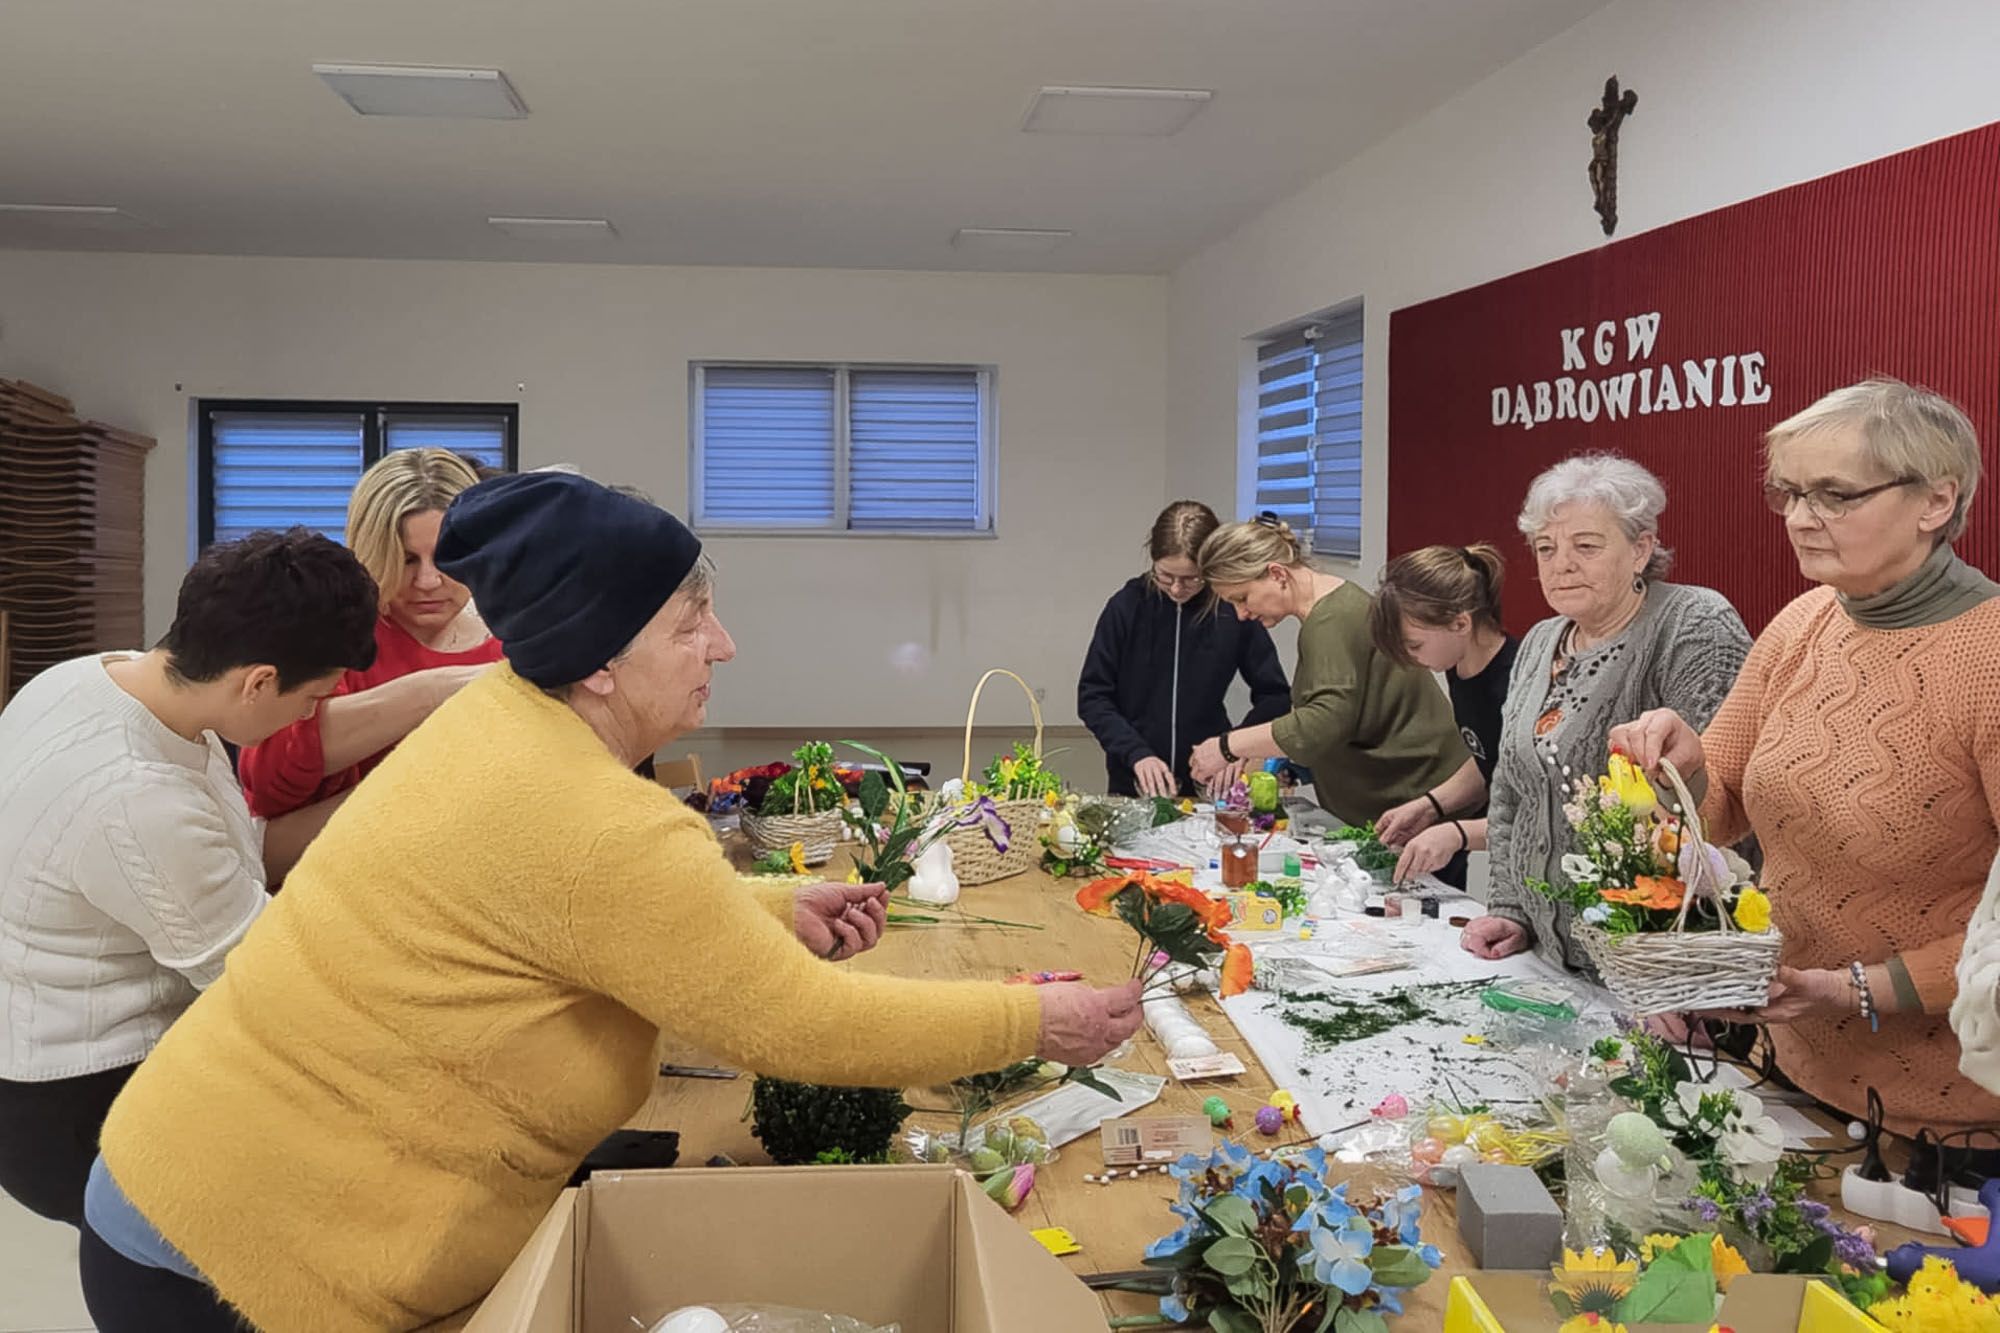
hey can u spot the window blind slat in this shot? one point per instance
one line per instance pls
(1337, 380)
(767, 446)
(277, 470)
(914, 458)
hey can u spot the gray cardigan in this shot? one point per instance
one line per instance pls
(1682, 651)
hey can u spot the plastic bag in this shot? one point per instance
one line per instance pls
(759, 1319)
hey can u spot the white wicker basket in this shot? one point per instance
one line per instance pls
(1679, 971)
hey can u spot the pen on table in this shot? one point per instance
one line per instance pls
(695, 1071)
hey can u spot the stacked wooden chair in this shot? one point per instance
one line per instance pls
(72, 534)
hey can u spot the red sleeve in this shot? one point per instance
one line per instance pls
(286, 770)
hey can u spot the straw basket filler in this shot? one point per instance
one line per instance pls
(973, 856)
(815, 833)
(1678, 970)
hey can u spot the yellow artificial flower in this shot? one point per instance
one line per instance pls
(1595, 1281)
(1724, 1260)
(1753, 910)
(853, 876)
(1050, 800)
(1628, 786)
(1007, 770)
(798, 858)
(1727, 1262)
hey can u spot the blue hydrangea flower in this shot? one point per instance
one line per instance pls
(1392, 1299)
(1338, 1256)
(1403, 1213)
(1175, 1243)
(1431, 1255)
(1173, 1308)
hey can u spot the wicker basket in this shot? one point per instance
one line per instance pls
(1678, 971)
(974, 858)
(816, 833)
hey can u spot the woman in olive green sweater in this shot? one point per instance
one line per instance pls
(1375, 733)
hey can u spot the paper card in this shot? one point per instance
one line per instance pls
(1056, 1240)
(1223, 1064)
(1154, 1138)
(1253, 911)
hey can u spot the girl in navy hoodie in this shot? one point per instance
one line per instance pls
(1161, 662)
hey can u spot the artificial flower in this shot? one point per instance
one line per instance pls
(1337, 1256)
(1657, 892)
(798, 857)
(1724, 1259)
(1596, 914)
(1010, 1187)
(1595, 1280)
(1579, 869)
(1097, 895)
(983, 813)
(1753, 910)
(1667, 838)
(1236, 970)
(1625, 783)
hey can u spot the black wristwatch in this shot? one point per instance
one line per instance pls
(1228, 756)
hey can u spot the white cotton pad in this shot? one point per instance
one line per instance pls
(693, 1319)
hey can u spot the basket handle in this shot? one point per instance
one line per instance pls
(1691, 836)
(1034, 705)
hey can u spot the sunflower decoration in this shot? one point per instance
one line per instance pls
(1592, 1282)
(1725, 1261)
(1591, 1322)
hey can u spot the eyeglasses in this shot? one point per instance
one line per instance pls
(1174, 582)
(1827, 504)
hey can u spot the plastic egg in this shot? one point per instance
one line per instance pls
(693, 1319)
(1269, 1121)
(1427, 1150)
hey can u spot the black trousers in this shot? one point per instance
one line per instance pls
(124, 1297)
(48, 1139)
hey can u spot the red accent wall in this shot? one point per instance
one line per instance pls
(1890, 267)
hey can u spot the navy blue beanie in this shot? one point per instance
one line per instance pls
(564, 571)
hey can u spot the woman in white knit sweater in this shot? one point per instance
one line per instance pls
(1975, 1014)
(129, 863)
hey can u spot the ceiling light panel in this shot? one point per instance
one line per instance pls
(419, 90)
(1008, 240)
(555, 229)
(1128, 111)
(71, 217)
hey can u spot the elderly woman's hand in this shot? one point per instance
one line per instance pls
(1400, 823)
(1657, 734)
(1207, 763)
(1796, 993)
(838, 921)
(1494, 937)
(1081, 1024)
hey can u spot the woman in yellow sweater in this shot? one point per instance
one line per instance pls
(1861, 745)
(458, 993)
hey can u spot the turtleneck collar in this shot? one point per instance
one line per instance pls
(1943, 588)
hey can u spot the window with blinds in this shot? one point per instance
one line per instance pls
(279, 464)
(838, 448)
(1309, 431)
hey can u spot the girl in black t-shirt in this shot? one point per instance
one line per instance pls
(1439, 608)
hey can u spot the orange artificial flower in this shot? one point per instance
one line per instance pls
(1658, 892)
(1096, 897)
(1213, 913)
(1236, 969)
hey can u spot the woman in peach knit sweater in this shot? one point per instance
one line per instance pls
(1862, 746)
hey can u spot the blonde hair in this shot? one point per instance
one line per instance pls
(1244, 552)
(1435, 586)
(1633, 496)
(407, 482)
(1906, 431)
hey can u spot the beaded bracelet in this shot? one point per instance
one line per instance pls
(1859, 975)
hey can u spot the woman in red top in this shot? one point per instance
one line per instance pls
(429, 640)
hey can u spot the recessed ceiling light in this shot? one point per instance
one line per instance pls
(1153, 111)
(72, 217)
(555, 229)
(418, 90)
(1008, 240)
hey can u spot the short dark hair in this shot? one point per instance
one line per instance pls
(291, 600)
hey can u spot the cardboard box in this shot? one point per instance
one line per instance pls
(1755, 1303)
(919, 1245)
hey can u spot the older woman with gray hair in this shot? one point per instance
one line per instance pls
(1622, 641)
(1862, 747)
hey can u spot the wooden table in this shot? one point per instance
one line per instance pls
(1114, 1223)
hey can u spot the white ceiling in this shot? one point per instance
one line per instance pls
(825, 133)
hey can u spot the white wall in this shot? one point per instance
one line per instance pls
(603, 354)
(1736, 98)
